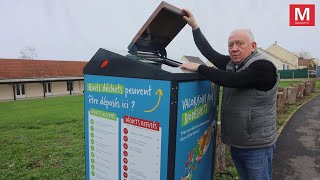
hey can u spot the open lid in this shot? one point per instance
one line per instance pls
(159, 30)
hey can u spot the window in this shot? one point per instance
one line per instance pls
(69, 86)
(283, 67)
(287, 67)
(47, 88)
(20, 90)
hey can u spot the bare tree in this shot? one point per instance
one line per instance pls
(28, 52)
(304, 54)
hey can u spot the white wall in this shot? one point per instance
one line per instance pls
(6, 92)
(35, 90)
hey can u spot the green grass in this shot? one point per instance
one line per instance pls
(231, 172)
(290, 109)
(42, 139)
(287, 83)
(318, 85)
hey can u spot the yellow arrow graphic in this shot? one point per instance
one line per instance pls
(160, 93)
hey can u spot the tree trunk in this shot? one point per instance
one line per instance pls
(220, 164)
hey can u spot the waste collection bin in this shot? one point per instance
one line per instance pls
(145, 118)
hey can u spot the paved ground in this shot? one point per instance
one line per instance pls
(297, 154)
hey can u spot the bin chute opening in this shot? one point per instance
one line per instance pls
(153, 58)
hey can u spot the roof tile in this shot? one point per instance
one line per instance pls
(19, 68)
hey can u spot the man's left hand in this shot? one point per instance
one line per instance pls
(190, 66)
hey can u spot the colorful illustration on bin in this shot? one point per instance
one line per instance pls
(197, 153)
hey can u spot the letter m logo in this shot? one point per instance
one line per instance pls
(302, 15)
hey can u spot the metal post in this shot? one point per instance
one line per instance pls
(44, 89)
(14, 92)
(293, 75)
(69, 84)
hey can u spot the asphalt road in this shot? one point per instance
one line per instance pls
(297, 154)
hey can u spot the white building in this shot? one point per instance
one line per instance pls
(20, 79)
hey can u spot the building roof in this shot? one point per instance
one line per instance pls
(35, 69)
(305, 62)
(271, 54)
(279, 47)
(193, 59)
(275, 56)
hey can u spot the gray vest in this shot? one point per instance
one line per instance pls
(248, 115)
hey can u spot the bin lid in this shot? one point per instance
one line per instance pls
(108, 63)
(159, 30)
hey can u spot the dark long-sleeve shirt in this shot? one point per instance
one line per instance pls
(260, 75)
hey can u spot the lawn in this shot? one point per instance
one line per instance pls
(283, 117)
(287, 83)
(42, 139)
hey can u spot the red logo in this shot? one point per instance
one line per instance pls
(302, 15)
(105, 63)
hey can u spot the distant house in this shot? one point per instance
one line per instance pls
(196, 60)
(307, 63)
(284, 54)
(316, 61)
(20, 79)
(278, 62)
(192, 59)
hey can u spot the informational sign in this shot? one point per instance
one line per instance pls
(195, 132)
(141, 148)
(126, 128)
(103, 144)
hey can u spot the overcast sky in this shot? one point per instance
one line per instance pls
(76, 29)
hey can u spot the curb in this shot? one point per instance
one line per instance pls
(289, 117)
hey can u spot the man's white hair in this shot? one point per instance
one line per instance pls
(247, 31)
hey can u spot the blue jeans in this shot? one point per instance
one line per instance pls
(253, 164)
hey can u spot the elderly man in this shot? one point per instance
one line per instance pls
(248, 115)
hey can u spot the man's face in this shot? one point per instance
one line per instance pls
(240, 46)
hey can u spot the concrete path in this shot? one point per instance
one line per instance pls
(297, 154)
